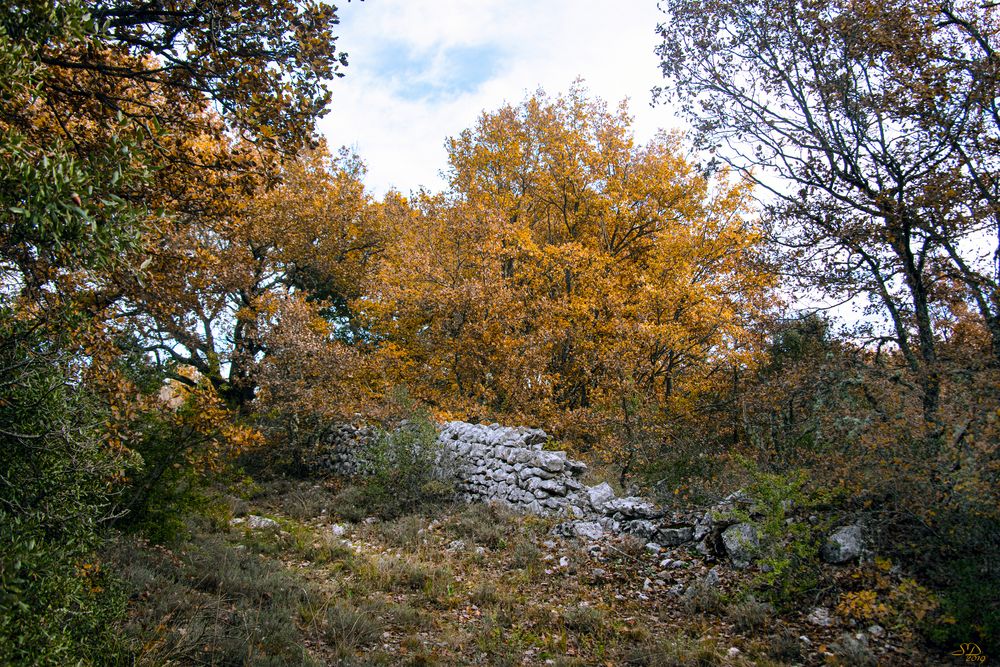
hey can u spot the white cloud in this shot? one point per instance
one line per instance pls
(423, 70)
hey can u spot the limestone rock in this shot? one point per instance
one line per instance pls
(672, 537)
(845, 544)
(741, 541)
(599, 495)
(552, 461)
(631, 507)
(820, 616)
(703, 527)
(260, 522)
(640, 528)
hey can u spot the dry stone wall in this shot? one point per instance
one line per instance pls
(493, 463)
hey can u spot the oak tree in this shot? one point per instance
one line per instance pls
(570, 276)
(877, 120)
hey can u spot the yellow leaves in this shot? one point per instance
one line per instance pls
(862, 606)
(886, 599)
(565, 268)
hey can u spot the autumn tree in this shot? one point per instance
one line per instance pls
(120, 123)
(872, 127)
(100, 97)
(263, 65)
(879, 121)
(569, 276)
(216, 283)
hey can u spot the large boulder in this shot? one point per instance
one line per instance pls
(845, 544)
(675, 536)
(741, 542)
(599, 495)
(589, 530)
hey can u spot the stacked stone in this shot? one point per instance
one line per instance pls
(505, 464)
(597, 511)
(341, 449)
(712, 537)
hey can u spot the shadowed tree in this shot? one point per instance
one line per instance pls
(879, 120)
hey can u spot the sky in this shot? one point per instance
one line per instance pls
(421, 71)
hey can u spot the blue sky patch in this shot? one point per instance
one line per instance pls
(434, 74)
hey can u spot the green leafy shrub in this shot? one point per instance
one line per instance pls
(788, 554)
(56, 477)
(972, 604)
(186, 439)
(405, 468)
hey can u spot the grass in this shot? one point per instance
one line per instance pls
(526, 554)
(347, 628)
(785, 646)
(486, 525)
(402, 532)
(849, 651)
(408, 574)
(297, 500)
(680, 651)
(701, 598)
(749, 614)
(211, 599)
(585, 619)
(296, 595)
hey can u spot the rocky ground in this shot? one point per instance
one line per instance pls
(297, 575)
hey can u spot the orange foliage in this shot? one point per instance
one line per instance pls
(569, 277)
